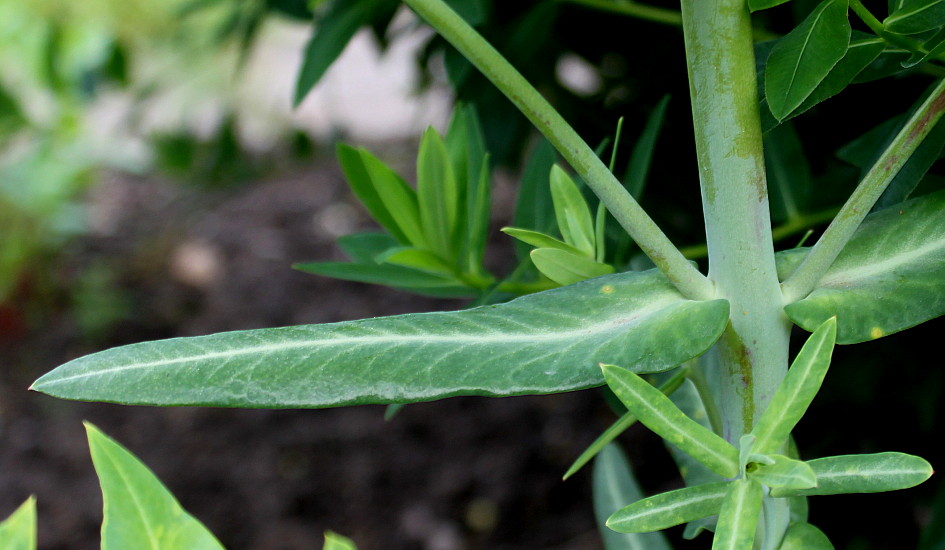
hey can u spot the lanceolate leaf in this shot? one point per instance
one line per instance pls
(572, 212)
(738, 518)
(364, 247)
(670, 508)
(614, 488)
(801, 60)
(139, 511)
(867, 473)
(804, 536)
(540, 343)
(18, 532)
(915, 16)
(565, 268)
(438, 195)
(411, 280)
(890, 276)
(785, 472)
(659, 414)
(539, 240)
(796, 391)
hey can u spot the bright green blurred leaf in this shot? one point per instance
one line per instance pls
(659, 414)
(540, 343)
(415, 258)
(139, 511)
(334, 541)
(738, 518)
(865, 473)
(889, 277)
(331, 35)
(566, 268)
(801, 60)
(364, 247)
(438, 195)
(670, 508)
(915, 16)
(411, 280)
(804, 536)
(625, 421)
(18, 531)
(796, 391)
(614, 488)
(572, 213)
(785, 472)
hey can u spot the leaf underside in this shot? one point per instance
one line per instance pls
(540, 343)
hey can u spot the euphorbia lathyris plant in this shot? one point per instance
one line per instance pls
(716, 344)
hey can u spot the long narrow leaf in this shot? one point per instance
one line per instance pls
(438, 195)
(139, 511)
(572, 212)
(18, 531)
(659, 414)
(738, 518)
(540, 343)
(539, 240)
(358, 178)
(334, 541)
(867, 473)
(566, 268)
(614, 488)
(411, 280)
(670, 508)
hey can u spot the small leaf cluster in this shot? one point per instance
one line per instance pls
(757, 468)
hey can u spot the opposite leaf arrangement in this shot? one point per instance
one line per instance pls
(713, 347)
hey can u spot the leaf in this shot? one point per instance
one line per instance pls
(438, 195)
(331, 35)
(930, 48)
(364, 247)
(864, 473)
(614, 488)
(738, 518)
(785, 472)
(418, 282)
(659, 414)
(670, 508)
(139, 511)
(572, 213)
(788, 172)
(625, 421)
(912, 172)
(414, 258)
(539, 240)
(479, 199)
(916, 16)
(539, 343)
(796, 392)
(334, 541)
(804, 536)
(889, 277)
(566, 268)
(757, 5)
(642, 155)
(18, 531)
(533, 207)
(803, 58)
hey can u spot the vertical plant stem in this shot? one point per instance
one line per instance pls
(578, 154)
(753, 350)
(831, 243)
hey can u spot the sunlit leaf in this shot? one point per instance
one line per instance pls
(139, 511)
(889, 277)
(614, 488)
(659, 414)
(540, 343)
(18, 531)
(803, 58)
(670, 508)
(796, 391)
(865, 473)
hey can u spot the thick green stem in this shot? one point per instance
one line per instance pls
(831, 243)
(753, 350)
(578, 154)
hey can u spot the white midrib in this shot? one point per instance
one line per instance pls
(494, 338)
(846, 276)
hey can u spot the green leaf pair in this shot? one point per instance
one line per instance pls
(437, 234)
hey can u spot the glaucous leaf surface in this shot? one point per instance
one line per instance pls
(915, 16)
(738, 518)
(658, 413)
(804, 536)
(541, 343)
(139, 511)
(804, 57)
(796, 392)
(865, 473)
(18, 531)
(889, 277)
(670, 508)
(614, 488)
